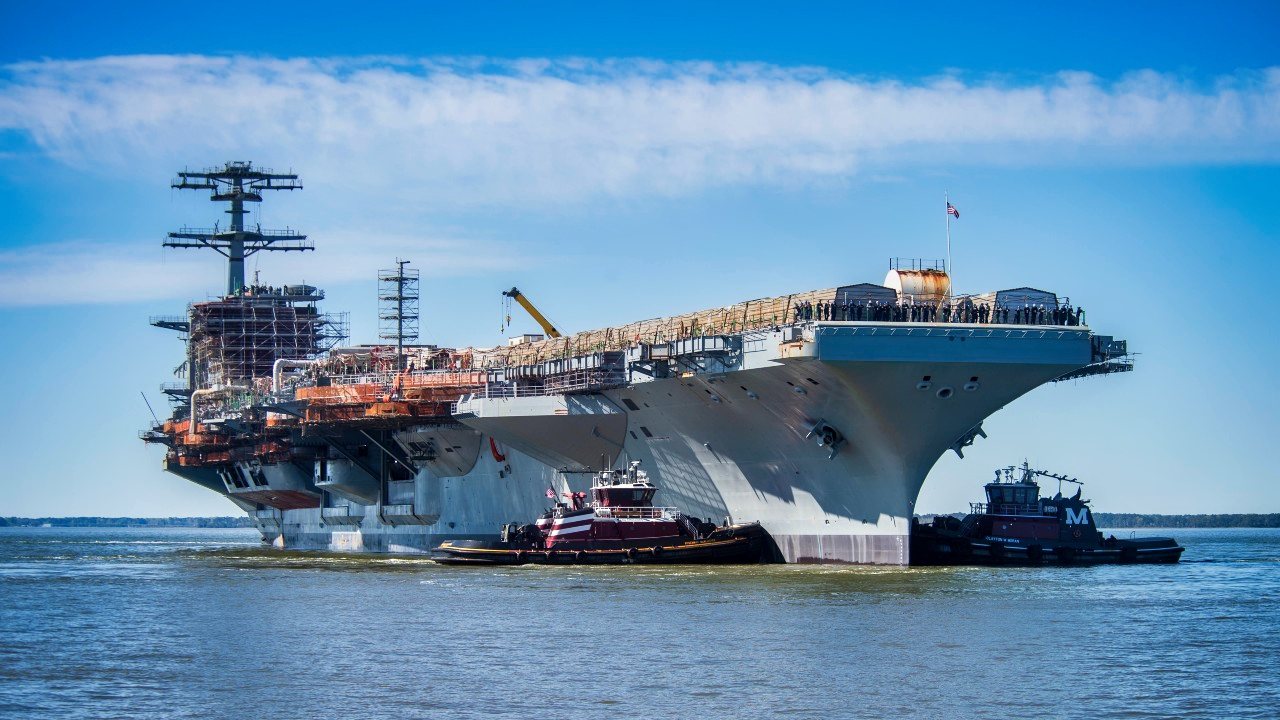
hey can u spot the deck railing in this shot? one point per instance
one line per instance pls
(637, 513)
(559, 384)
(1007, 509)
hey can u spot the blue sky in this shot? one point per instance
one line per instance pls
(620, 161)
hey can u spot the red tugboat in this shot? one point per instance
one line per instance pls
(619, 525)
(1015, 526)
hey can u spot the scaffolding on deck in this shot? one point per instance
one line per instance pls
(237, 339)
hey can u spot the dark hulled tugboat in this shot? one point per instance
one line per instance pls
(1016, 526)
(619, 525)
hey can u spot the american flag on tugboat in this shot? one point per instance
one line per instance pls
(551, 493)
(951, 210)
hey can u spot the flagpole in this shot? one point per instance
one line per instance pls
(947, 197)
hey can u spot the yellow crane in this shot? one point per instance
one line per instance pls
(547, 327)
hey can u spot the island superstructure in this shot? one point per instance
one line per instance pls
(817, 414)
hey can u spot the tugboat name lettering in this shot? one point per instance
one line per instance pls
(1077, 519)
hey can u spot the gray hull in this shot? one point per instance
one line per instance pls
(740, 438)
(741, 443)
(422, 512)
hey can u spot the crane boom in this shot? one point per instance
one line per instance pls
(547, 327)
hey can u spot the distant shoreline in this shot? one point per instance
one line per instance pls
(242, 521)
(1105, 520)
(1145, 520)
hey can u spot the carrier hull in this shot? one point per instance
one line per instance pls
(432, 509)
(816, 414)
(742, 444)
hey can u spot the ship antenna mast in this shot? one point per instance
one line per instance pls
(149, 408)
(398, 307)
(237, 183)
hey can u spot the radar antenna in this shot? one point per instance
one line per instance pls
(237, 183)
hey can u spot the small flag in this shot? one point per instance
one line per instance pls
(951, 210)
(551, 493)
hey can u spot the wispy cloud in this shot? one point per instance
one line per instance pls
(391, 141)
(82, 272)
(537, 131)
(88, 272)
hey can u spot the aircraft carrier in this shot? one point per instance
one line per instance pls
(818, 413)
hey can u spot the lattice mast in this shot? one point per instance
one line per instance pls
(237, 183)
(398, 307)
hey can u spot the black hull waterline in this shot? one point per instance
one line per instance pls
(931, 548)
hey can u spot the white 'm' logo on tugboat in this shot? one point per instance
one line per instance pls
(1078, 519)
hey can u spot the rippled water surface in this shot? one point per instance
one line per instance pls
(168, 623)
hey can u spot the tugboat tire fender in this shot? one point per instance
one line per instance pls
(521, 555)
(656, 551)
(577, 555)
(997, 550)
(1035, 553)
(631, 553)
(1129, 554)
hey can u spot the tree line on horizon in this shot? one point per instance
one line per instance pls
(1104, 520)
(1144, 520)
(192, 522)
(1221, 520)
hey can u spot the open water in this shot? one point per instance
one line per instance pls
(177, 623)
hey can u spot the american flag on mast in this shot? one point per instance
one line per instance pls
(951, 210)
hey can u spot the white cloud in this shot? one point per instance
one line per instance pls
(88, 272)
(92, 272)
(391, 142)
(472, 130)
